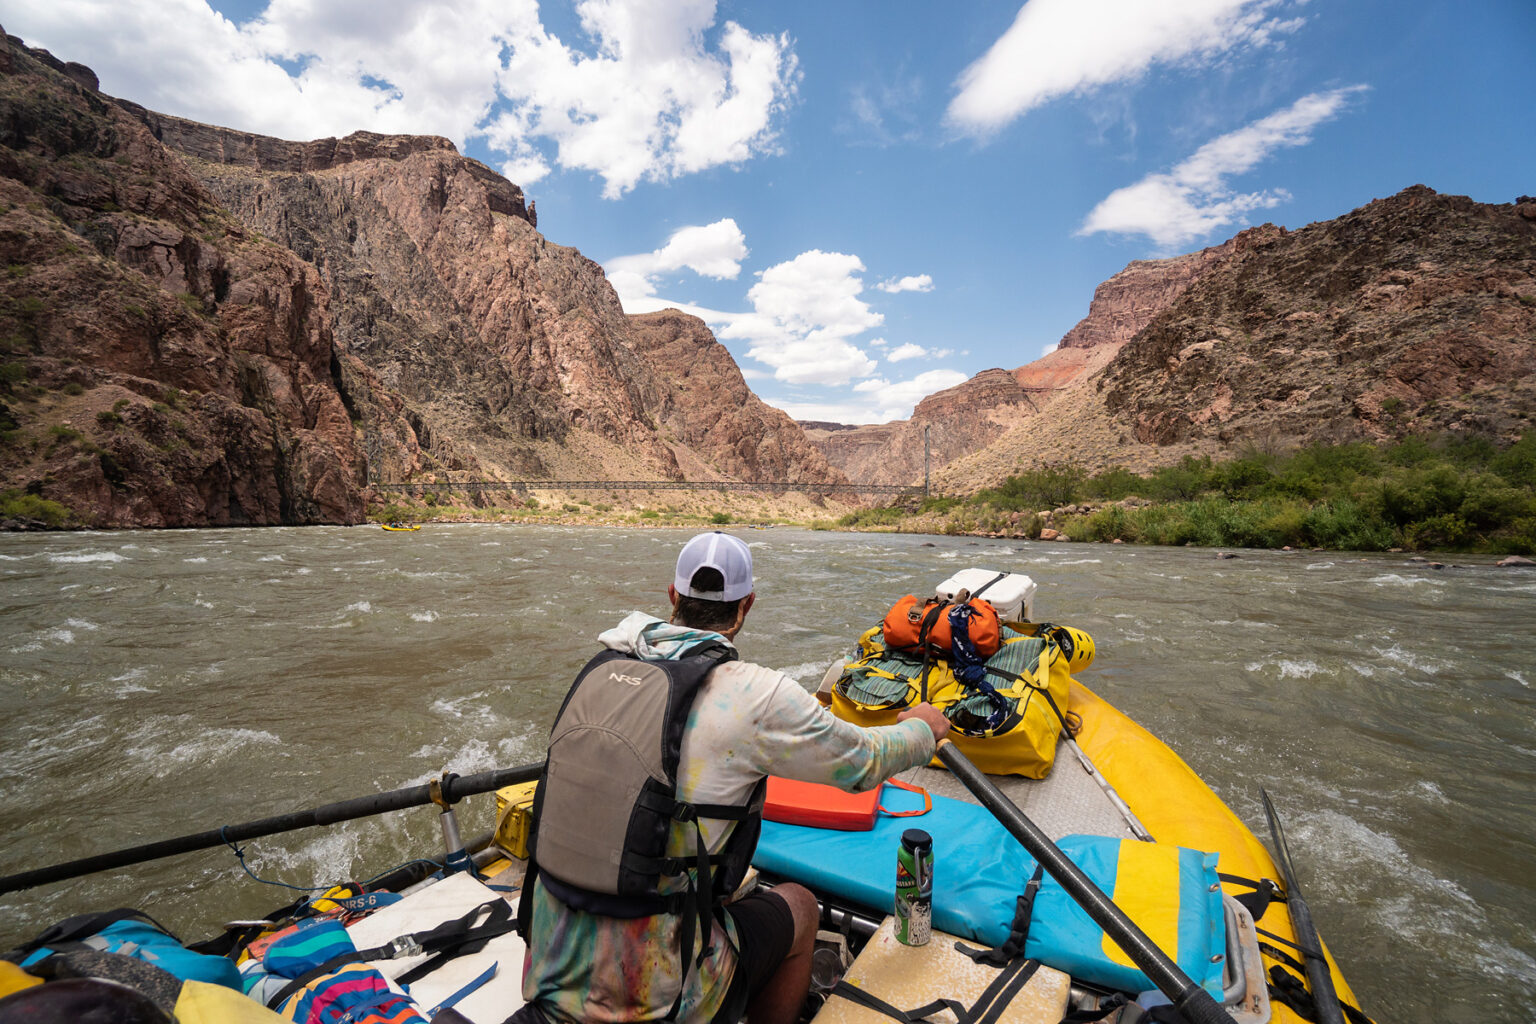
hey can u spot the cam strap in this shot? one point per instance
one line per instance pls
(450, 939)
(1018, 930)
(1289, 989)
(987, 1009)
(1256, 902)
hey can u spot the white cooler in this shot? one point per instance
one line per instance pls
(1013, 596)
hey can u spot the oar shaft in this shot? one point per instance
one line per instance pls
(453, 789)
(1319, 977)
(1194, 1002)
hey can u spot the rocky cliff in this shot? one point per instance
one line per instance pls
(714, 423)
(207, 326)
(971, 416)
(957, 421)
(162, 366)
(511, 355)
(1413, 313)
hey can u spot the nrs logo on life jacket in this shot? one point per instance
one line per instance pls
(619, 677)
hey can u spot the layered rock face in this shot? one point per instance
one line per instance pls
(715, 422)
(1127, 302)
(206, 326)
(511, 355)
(957, 420)
(162, 366)
(973, 415)
(1415, 312)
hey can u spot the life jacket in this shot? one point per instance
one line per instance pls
(607, 800)
(910, 626)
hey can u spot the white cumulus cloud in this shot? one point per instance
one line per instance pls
(650, 89)
(876, 400)
(653, 102)
(1055, 48)
(911, 351)
(804, 311)
(910, 283)
(1194, 198)
(710, 250)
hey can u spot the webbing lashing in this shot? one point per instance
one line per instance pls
(987, 1008)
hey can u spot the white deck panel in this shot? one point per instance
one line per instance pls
(1069, 801)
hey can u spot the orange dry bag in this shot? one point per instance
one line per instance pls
(909, 625)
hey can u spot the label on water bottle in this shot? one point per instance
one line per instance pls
(914, 888)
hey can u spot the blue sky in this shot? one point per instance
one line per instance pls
(867, 201)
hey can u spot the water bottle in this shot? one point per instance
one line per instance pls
(914, 888)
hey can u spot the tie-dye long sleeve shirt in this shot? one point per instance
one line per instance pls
(748, 722)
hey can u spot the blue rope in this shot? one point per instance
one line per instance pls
(240, 856)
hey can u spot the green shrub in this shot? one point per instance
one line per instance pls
(12, 373)
(74, 388)
(720, 518)
(1517, 463)
(59, 432)
(1047, 487)
(650, 514)
(17, 504)
(1103, 524)
(108, 419)
(1447, 531)
(866, 517)
(1184, 482)
(1116, 483)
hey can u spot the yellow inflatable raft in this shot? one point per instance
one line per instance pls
(1177, 807)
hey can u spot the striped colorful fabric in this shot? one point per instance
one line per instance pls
(357, 994)
(307, 948)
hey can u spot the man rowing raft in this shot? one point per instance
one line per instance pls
(631, 914)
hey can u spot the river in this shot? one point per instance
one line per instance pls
(162, 683)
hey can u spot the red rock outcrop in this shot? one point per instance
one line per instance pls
(1127, 302)
(511, 355)
(710, 415)
(162, 366)
(971, 416)
(957, 420)
(1414, 312)
(171, 365)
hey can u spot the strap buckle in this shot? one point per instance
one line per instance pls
(404, 946)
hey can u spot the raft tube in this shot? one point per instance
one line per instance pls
(1177, 807)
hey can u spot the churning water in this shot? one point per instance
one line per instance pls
(161, 683)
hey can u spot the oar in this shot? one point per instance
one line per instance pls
(1194, 1002)
(453, 789)
(1319, 978)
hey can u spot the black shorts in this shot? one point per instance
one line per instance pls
(766, 930)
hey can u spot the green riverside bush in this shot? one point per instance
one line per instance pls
(1448, 492)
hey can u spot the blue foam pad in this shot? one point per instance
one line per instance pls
(979, 869)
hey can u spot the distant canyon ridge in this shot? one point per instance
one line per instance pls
(200, 326)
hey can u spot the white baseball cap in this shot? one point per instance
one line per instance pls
(727, 555)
